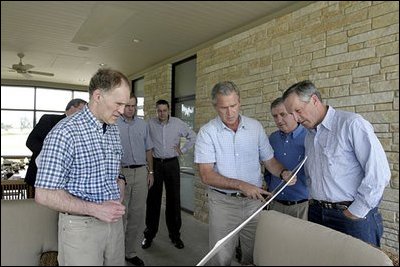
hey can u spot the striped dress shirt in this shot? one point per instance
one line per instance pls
(235, 154)
(346, 162)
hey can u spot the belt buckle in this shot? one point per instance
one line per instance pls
(317, 203)
(238, 194)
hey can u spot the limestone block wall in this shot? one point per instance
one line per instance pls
(157, 85)
(350, 50)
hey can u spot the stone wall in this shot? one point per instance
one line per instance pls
(157, 85)
(350, 50)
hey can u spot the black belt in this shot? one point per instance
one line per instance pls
(331, 205)
(133, 166)
(290, 203)
(236, 194)
(164, 160)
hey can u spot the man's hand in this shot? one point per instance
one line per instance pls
(150, 179)
(349, 215)
(253, 192)
(109, 211)
(178, 150)
(286, 175)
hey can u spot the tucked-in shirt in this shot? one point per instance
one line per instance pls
(78, 158)
(234, 154)
(135, 140)
(346, 162)
(289, 151)
(166, 136)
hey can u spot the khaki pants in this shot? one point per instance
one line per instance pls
(135, 204)
(225, 214)
(87, 241)
(298, 210)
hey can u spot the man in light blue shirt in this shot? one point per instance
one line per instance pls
(288, 145)
(346, 163)
(137, 166)
(228, 150)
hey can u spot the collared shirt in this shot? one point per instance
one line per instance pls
(166, 136)
(135, 140)
(235, 154)
(289, 150)
(346, 162)
(78, 158)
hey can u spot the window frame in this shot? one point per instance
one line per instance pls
(35, 110)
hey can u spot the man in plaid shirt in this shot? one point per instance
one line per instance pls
(79, 176)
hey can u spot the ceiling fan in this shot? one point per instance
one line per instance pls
(25, 69)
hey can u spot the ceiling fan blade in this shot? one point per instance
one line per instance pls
(28, 66)
(25, 69)
(27, 75)
(40, 73)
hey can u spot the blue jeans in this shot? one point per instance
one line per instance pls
(368, 229)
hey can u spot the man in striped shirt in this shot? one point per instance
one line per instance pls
(166, 133)
(347, 165)
(137, 166)
(228, 151)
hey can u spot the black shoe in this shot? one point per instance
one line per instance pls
(146, 243)
(238, 253)
(135, 261)
(178, 243)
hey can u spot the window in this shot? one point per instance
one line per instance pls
(21, 109)
(183, 107)
(81, 94)
(184, 88)
(52, 99)
(15, 128)
(11, 97)
(138, 90)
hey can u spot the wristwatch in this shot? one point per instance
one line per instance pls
(280, 175)
(122, 177)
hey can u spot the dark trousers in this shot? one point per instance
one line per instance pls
(368, 229)
(167, 172)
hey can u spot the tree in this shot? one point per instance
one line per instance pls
(25, 123)
(5, 127)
